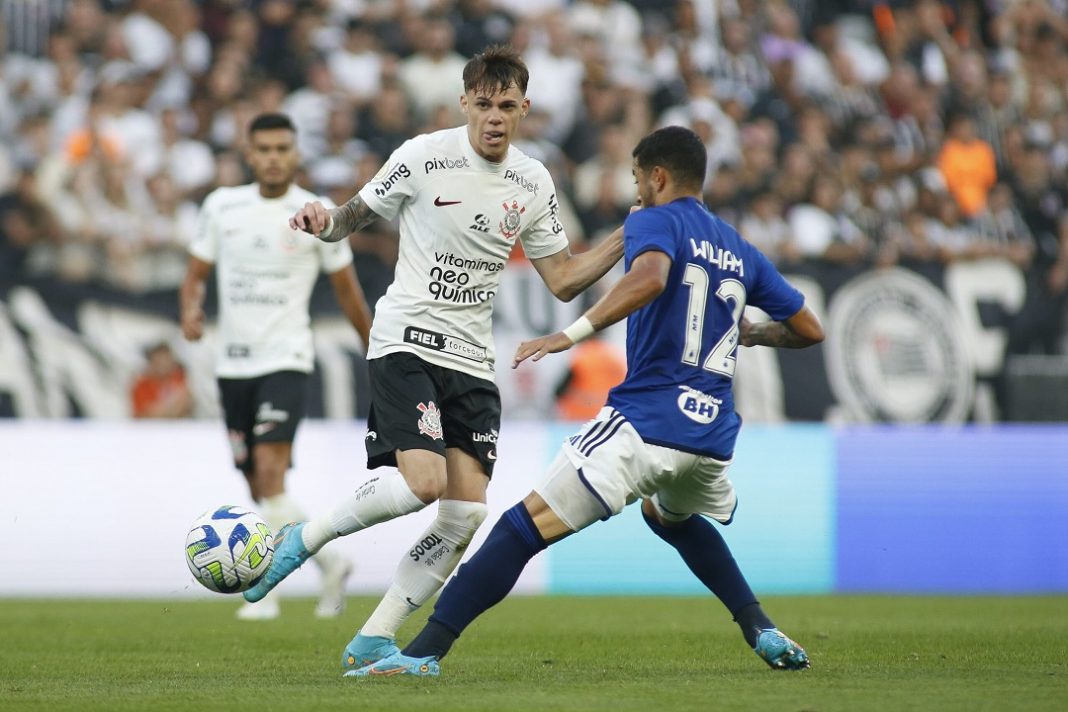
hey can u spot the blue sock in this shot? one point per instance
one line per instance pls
(706, 553)
(481, 583)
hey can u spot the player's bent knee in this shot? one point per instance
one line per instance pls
(428, 489)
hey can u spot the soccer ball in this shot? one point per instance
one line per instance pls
(229, 549)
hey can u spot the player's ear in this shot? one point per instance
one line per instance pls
(525, 107)
(463, 103)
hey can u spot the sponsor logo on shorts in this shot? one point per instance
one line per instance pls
(267, 417)
(490, 437)
(443, 342)
(697, 406)
(371, 435)
(430, 421)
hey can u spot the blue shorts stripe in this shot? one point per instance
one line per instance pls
(598, 497)
(606, 437)
(594, 431)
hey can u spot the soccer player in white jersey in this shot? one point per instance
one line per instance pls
(265, 275)
(667, 433)
(464, 196)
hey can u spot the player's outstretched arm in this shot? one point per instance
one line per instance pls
(644, 282)
(801, 330)
(333, 225)
(568, 275)
(191, 298)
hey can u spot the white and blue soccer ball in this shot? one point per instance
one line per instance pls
(229, 549)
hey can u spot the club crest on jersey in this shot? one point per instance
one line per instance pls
(509, 225)
(430, 421)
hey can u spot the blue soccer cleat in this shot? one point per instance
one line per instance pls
(289, 554)
(780, 652)
(364, 650)
(399, 664)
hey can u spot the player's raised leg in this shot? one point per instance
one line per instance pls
(430, 560)
(709, 558)
(377, 500)
(488, 576)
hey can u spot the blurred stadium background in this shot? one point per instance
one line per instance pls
(904, 163)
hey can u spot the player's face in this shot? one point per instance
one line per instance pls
(492, 119)
(645, 184)
(272, 154)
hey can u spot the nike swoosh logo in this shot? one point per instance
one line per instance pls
(442, 203)
(262, 428)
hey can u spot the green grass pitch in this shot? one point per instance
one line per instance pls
(545, 653)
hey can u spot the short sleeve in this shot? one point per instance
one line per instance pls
(395, 183)
(770, 291)
(545, 235)
(648, 229)
(205, 245)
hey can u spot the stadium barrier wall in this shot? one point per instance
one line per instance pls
(101, 508)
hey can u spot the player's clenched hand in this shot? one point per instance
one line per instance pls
(744, 327)
(551, 344)
(312, 218)
(192, 324)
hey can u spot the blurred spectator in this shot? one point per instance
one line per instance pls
(763, 225)
(25, 221)
(821, 229)
(433, 76)
(480, 24)
(357, 65)
(160, 390)
(596, 367)
(967, 164)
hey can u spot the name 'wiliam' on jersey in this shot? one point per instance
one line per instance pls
(460, 216)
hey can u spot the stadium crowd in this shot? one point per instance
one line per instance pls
(848, 132)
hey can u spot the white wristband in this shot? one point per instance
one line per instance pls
(581, 329)
(325, 234)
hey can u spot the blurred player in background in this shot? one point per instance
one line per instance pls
(667, 433)
(463, 197)
(266, 272)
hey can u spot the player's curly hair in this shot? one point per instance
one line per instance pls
(495, 69)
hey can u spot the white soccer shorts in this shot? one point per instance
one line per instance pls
(606, 466)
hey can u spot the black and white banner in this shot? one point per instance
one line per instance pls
(903, 345)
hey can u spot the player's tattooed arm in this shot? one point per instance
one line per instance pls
(801, 330)
(347, 219)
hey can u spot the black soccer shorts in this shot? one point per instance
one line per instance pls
(263, 409)
(417, 405)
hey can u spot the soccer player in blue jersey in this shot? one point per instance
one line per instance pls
(667, 433)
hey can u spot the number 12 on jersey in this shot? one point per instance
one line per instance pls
(721, 359)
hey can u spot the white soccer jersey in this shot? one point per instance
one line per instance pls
(460, 216)
(265, 273)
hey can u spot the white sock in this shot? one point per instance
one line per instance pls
(280, 510)
(379, 499)
(425, 567)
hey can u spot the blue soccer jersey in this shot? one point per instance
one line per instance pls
(681, 346)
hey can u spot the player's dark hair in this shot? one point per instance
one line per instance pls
(266, 122)
(495, 69)
(676, 149)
